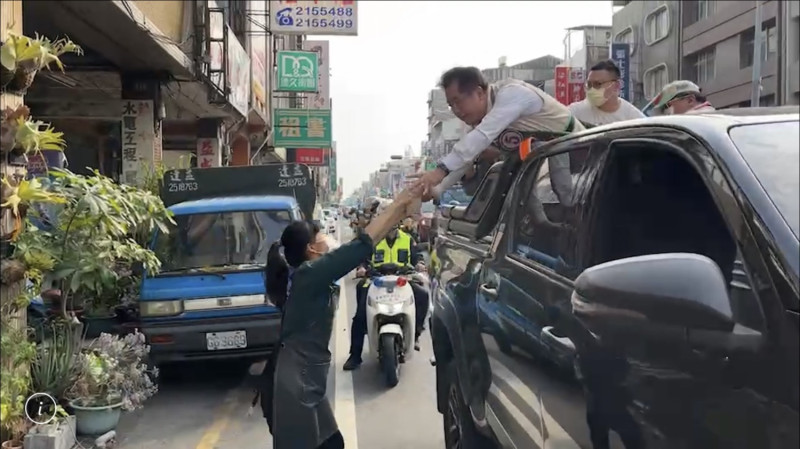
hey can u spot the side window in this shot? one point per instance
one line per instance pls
(649, 200)
(544, 219)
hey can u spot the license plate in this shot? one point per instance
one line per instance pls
(219, 341)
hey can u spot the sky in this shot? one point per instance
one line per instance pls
(381, 78)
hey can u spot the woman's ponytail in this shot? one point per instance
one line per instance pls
(277, 276)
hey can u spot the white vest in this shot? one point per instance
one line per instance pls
(554, 117)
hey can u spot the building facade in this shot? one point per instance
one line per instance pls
(652, 29)
(711, 43)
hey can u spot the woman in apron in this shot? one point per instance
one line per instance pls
(301, 282)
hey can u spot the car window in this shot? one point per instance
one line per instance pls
(543, 220)
(649, 200)
(772, 151)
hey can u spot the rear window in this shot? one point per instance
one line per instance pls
(772, 150)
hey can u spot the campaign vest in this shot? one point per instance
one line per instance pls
(398, 254)
(551, 122)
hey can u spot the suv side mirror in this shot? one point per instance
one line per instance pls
(673, 298)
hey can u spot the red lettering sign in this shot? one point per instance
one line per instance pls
(310, 156)
(562, 88)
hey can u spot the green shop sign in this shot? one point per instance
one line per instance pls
(302, 128)
(298, 71)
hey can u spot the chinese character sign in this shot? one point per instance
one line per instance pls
(314, 18)
(309, 156)
(320, 99)
(138, 133)
(209, 153)
(621, 55)
(298, 71)
(302, 128)
(562, 81)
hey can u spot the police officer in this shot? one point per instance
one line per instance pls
(400, 249)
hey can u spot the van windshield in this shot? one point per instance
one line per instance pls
(220, 241)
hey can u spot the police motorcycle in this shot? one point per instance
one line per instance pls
(391, 316)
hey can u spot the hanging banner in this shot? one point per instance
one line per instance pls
(314, 18)
(562, 84)
(621, 55)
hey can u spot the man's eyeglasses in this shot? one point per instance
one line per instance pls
(597, 84)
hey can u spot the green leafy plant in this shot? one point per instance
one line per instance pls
(54, 364)
(15, 380)
(20, 51)
(91, 237)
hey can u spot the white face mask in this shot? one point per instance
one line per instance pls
(596, 97)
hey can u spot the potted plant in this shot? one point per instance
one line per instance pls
(21, 136)
(54, 364)
(22, 57)
(112, 377)
(90, 237)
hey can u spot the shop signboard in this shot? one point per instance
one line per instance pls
(298, 71)
(238, 72)
(314, 18)
(321, 98)
(302, 128)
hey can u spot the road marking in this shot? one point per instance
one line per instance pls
(556, 435)
(344, 399)
(214, 432)
(527, 425)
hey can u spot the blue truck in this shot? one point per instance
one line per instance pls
(209, 301)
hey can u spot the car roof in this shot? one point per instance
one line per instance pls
(235, 203)
(709, 125)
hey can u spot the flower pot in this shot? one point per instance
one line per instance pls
(96, 420)
(11, 444)
(22, 81)
(96, 325)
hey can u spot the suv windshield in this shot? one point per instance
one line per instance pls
(220, 240)
(772, 151)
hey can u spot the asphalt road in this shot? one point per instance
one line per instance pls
(205, 406)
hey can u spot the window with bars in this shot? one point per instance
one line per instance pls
(657, 25)
(655, 78)
(704, 65)
(769, 45)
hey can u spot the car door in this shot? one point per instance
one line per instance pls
(682, 395)
(527, 278)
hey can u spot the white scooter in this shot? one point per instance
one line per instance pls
(391, 317)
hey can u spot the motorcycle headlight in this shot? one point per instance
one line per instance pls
(160, 308)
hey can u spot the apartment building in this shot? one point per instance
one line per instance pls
(717, 50)
(711, 43)
(652, 29)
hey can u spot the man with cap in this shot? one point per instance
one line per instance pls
(682, 97)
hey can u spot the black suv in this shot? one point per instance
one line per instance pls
(640, 278)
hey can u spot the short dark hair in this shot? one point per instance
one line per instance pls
(607, 65)
(468, 79)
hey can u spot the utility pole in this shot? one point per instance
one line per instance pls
(755, 96)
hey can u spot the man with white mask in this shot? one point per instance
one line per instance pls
(602, 104)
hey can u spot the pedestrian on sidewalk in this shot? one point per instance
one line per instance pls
(602, 104)
(301, 280)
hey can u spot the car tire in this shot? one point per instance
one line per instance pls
(459, 430)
